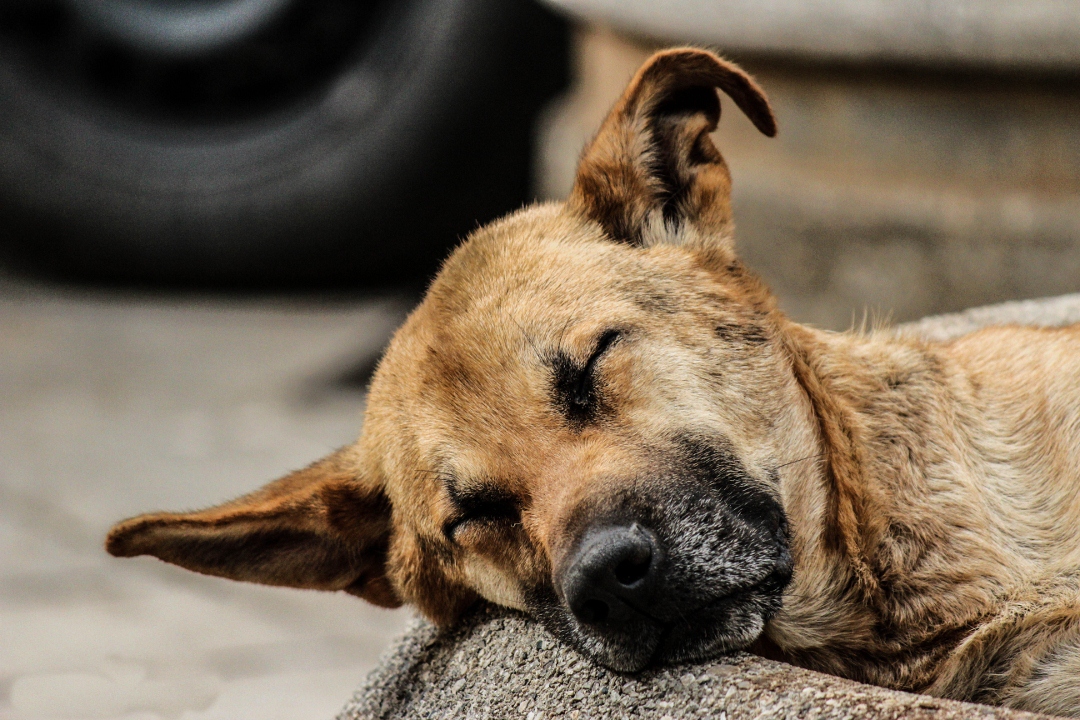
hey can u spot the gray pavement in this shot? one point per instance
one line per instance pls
(112, 406)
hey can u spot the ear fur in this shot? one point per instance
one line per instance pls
(320, 528)
(652, 165)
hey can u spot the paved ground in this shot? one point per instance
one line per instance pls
(112, 406)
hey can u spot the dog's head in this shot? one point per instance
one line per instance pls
(584, 419)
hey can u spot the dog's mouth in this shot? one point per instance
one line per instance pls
(673, 633)
(729, 623)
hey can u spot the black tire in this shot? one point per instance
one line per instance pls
(365, 172)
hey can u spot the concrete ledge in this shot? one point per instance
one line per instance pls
(1038, 34)
(907, 193)
(1045, 312)
(498, 664)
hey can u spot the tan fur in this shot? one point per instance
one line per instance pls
(932, 489)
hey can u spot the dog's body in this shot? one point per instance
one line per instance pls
(598, 416)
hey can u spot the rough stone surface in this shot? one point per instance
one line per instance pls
(500, 664)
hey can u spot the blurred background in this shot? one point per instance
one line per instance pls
(213, 213)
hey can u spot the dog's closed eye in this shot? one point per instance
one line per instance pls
(575, 384)
(488, 504)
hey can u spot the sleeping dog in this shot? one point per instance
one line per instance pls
(599, 416)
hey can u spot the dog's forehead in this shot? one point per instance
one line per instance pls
(535, 277)
(469, 362)
(526, 266)
(511, 295)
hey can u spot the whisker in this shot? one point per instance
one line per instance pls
(528, 338)
(808, 457)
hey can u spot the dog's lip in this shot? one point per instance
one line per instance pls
(670, 638)
(741, 593)
(662, 644)
(725, 601)
(680, 616)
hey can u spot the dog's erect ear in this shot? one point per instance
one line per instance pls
(652, 165)
(320, 527)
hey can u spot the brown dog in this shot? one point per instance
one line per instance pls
(598, 415)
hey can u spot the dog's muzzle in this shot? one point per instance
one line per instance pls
(629, 595)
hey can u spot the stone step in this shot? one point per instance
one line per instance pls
(901, 191)
(1034, 33)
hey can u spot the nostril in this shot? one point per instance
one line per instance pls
(634, 567)
(613, 572)
(593, 611)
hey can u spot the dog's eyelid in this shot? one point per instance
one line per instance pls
(576, 390)
(583, 391)
(481, 503)
(600, 345)
(604, 343)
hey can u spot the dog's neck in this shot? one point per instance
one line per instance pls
(869, 550)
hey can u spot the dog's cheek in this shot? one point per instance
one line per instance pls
(419, 567)
(493, 583)
(502, 564)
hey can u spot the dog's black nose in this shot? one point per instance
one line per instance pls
(609, 579)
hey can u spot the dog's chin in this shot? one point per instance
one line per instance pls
(738, 630)
(724, 626)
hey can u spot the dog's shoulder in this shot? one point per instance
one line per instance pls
(1020, 360)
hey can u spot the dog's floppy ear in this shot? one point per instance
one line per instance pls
(321, 527)
(653, 166)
